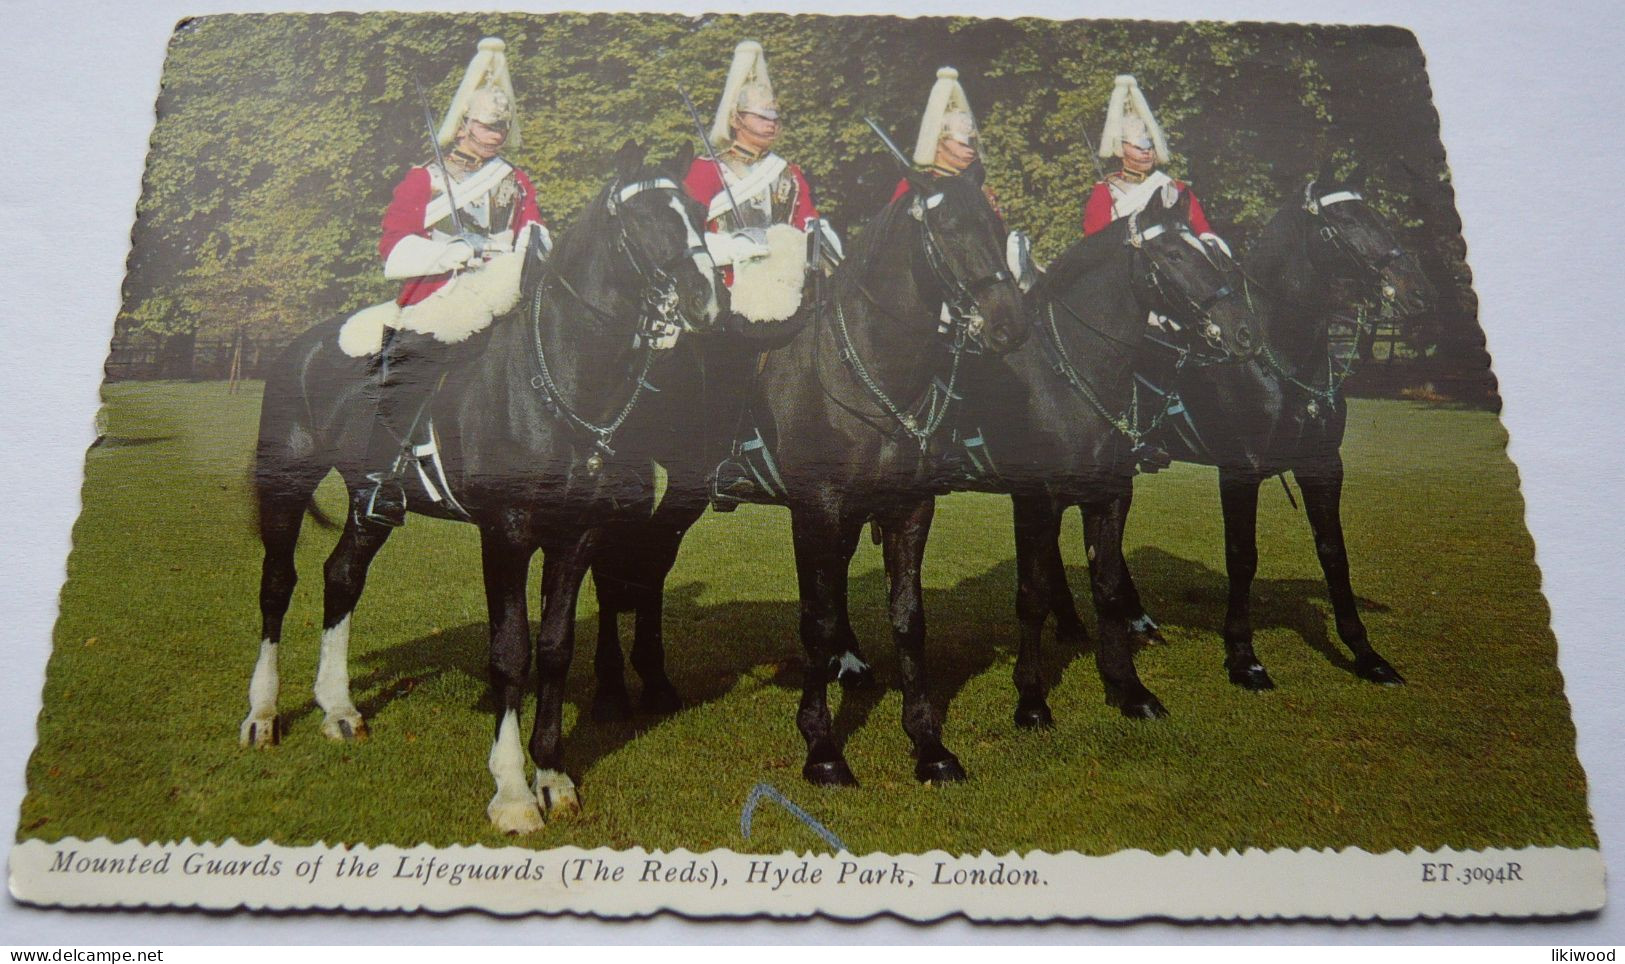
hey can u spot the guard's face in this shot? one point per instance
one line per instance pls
(954, 155)
(482, 140)
(755, 131)
(1138, 159)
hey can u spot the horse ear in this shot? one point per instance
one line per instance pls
(920, 182)
(628, 159)
(682, 160)
(1181, 208)
(976, 173)
(1328, 173)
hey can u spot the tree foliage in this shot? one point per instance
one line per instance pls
(279, 138)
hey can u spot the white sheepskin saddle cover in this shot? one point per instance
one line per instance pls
(769, 289)
(463, 307)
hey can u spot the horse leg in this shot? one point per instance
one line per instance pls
(850, 667)
(280, 516)
(1322, 502)
(1069, 628)
(506, 565)
(346, 575)
(904, 536)
(610, 702)
(1037, 523)
(1114, 655)
(659, 696)
(1238, 496)
(820, 534)
(563, 568)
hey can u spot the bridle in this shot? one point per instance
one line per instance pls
(1155, 279)
(963, 325)
(1333, 236)
(1368, 270)
(660, 318)
(1129, 423)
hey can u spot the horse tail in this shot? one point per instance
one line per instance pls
(322, 518)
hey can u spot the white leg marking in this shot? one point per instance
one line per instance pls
(513, 809)
(1144, 624)
(342, 720)
(556, 793)
(259, 729)
(850, 663)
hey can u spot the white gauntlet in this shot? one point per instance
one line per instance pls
(734, 248)
(1217, 242)
(414, 257)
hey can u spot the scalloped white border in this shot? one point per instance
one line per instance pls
(1342, 885)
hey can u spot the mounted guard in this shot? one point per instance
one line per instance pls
(456, 235)
(763, 230)
(948, 144)
(1132, 135)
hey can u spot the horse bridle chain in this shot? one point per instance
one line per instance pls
(659, 321)
(965, 319)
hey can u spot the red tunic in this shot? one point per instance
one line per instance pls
(704, 182)
(404, 216)
(1097, 211)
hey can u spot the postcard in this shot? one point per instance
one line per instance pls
(788, 465)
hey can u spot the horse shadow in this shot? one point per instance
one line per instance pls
(1187, 594)
(712, 646)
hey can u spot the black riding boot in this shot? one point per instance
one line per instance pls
(408, 371)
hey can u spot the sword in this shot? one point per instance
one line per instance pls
(890, 146)
(711, 152)
(445, 173)
(1094, 155)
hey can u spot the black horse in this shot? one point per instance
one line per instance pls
(544, 434)
(1064, 431)
(1285, 409)
(855, 411)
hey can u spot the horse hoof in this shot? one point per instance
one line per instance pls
(660, 700)
(1254, 677)
(1035, 717)
(345, 726)
(611, 709)
(829, 773)
(556, 793)
(260, 731)
(1379, 671)
(860, 678)
(945, 770)
(515, 815)
(1146, 708)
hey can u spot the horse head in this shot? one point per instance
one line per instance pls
(1196, 284)
(1350, 240)
(963, 242)
(657, 230)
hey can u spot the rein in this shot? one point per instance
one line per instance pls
(965, 321)
(1127, 423)
(658, 326)
(1338, 370)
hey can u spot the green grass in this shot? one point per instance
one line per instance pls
(148, 678)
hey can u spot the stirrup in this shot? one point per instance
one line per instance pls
(384, 503)
(731, 485)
